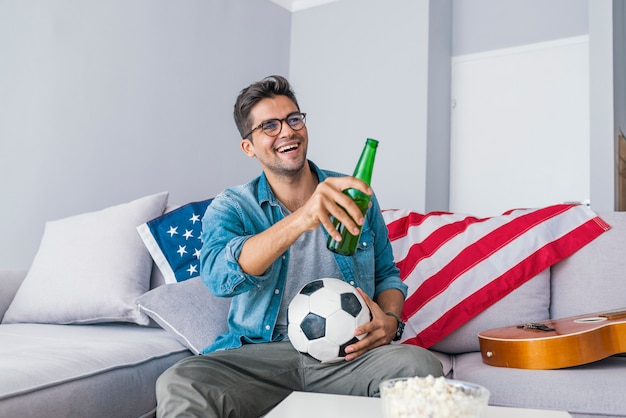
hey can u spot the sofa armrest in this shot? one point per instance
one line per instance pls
(10, 281)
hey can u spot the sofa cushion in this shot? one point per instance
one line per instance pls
(102, 370)
(456, 266)
(594, 389)
(189, 311)
(89, 268)
(528, 303)
(594, 279)
(173, 240)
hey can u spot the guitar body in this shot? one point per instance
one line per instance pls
(556, 343)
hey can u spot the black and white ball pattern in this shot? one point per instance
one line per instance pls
(323, 316)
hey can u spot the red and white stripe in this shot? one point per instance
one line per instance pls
(457, 265)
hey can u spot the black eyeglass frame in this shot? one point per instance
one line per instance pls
(286, 119)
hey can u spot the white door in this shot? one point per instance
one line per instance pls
(520, 127)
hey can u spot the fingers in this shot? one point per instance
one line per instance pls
(375, 338)
(329, 201)
(375, 329)
(375, 309)
(348, 182)
(341, 206)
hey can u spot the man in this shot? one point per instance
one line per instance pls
(264, 240)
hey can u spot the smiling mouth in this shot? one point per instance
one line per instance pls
(287, 148)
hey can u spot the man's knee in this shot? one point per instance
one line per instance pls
(163, 382)
(415, 361)
(179, 392)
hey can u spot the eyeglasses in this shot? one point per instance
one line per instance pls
(273, 127)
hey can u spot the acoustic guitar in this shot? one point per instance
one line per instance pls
(556, 343)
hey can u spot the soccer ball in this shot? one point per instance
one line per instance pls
(323, 316)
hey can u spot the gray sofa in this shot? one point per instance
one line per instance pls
(108, 369)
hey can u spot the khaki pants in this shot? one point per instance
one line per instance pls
(251, 380)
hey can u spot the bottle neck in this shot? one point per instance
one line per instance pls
(365, 166)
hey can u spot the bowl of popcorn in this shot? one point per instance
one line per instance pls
(432, 397)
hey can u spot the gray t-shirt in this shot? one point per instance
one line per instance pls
(309, 260)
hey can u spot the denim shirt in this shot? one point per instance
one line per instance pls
(242, 211)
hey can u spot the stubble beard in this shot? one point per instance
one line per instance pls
(288, 170)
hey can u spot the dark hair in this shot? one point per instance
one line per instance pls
(269, 87)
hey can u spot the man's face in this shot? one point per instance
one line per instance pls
(283, 154)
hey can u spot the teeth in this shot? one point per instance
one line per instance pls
(287, 148)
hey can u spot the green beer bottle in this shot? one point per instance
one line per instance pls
(363, 171)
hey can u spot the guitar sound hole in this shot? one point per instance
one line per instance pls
(591, 319)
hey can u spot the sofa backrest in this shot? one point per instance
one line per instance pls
(10, 281)
(594, 278)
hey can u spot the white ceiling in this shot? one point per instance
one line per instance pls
(295, 5)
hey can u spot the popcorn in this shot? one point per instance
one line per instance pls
(431, 397)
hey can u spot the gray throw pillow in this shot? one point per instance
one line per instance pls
(189, 311)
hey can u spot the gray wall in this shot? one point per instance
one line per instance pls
(102, 102)
(602, 105)
(483, 25)
(365, 75)
(619, 65)
(439, 95)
